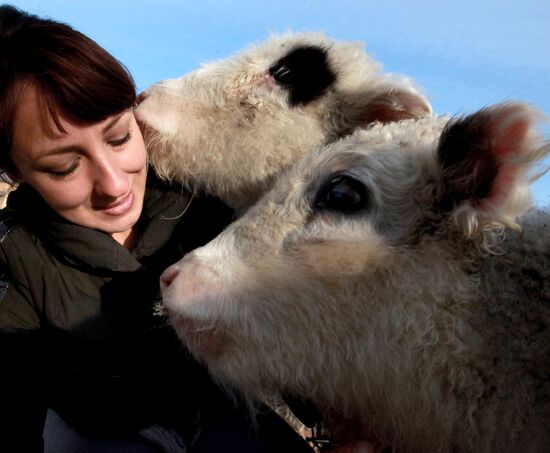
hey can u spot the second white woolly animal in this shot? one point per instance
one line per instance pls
(230, 127)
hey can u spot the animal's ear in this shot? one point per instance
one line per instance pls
(389, 101)
(484, 160)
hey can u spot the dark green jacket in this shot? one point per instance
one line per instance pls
(78, 331)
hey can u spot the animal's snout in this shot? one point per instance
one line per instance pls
(168, 276)
(141, 97)
(191, 281)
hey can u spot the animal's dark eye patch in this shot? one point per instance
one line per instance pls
(305, 72)
(342, 193)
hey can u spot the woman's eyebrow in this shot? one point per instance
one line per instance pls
(70, 148)
(57, 150)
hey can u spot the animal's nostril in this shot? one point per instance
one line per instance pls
(167, 277)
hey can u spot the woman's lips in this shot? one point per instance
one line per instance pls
(121, 207)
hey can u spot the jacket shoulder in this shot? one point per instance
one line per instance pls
(8, 222)
(20, 274)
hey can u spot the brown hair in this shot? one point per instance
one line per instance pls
(73, 74)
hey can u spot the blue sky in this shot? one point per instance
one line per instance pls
(464, 54)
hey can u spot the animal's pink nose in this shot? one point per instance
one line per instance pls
(167, 277)
(141, 97)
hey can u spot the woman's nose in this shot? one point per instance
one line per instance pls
(111, 181)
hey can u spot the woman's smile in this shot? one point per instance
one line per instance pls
(121, 207)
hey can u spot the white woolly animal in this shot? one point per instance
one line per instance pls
(387, 279)
(231, 126)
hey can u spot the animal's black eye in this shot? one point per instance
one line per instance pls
(342, 193)
(283, 75)
(305, 72)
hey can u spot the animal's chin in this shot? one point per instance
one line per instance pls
(201, 337)
(343, 431)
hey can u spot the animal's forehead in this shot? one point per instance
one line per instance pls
(278, 46)
(392, 142)
(344, 56)
(411, 133)
(376, 156)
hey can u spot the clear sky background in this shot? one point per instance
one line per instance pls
(465, 54)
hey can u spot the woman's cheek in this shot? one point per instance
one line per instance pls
(64, 197)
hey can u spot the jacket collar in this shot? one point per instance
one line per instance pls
(97, 251)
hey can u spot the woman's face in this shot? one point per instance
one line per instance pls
(92, 175)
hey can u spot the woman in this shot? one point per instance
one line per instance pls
(83, 241)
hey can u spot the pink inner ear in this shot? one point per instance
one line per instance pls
(508, 129)
(511, 128)
(394, 106)
(483, 155)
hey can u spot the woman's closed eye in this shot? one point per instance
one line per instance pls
(66, 171)
(120, 141)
